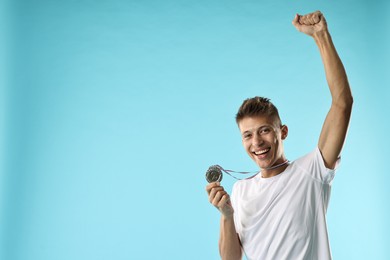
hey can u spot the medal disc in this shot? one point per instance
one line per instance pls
(214, 174)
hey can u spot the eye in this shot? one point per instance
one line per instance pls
(265, 130)
(246, 136)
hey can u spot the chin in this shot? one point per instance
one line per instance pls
(265, 164)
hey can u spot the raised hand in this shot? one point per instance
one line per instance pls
(310, 24)
(220, 199)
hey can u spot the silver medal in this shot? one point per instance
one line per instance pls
(214, 174)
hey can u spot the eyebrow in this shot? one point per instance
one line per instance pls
(250, 130)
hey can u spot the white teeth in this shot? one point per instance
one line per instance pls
(262, 151)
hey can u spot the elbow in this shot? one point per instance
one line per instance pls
(348, 103)
(349, 100)
(344, 102)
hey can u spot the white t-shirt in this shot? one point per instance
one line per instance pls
(283, 217)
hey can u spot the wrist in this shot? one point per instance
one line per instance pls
(227, 217)
(321, 36)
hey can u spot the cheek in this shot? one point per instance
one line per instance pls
(272, 139)
(246, 145)
(277, 138)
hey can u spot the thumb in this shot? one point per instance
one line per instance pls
(295, 21)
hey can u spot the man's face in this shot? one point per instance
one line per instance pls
(262, 139)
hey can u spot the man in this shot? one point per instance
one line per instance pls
(281, 212)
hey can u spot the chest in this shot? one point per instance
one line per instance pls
(287, 200)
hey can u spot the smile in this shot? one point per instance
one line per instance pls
(260, 152)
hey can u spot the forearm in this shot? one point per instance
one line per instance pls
(334, 70)
(229, 244)
(335, 127)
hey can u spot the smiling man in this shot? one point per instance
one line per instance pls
(281, 212)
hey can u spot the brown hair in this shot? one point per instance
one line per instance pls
(257, 106)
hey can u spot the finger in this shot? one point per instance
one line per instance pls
(211, 185)
(316, 19)
(295, 21)
(305, 20)
(213, 193)
(215, 190)
(218, 197)
(321, 17)
(224, 200)
(311, 19)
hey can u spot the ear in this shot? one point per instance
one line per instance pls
(284, 131)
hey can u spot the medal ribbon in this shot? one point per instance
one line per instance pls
(229, 172)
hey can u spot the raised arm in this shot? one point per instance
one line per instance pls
(335, 127)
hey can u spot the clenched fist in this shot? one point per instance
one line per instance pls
(310, 24)
(220, 199)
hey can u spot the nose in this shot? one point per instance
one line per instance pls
(257, 140)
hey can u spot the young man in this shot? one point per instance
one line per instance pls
(281, 212)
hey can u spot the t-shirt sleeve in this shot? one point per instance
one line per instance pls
(313, 164)
(327, 174)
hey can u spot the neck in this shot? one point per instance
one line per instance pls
(274, 169)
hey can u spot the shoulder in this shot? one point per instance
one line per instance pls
(313, 164)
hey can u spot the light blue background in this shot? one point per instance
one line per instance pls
(112, 111)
